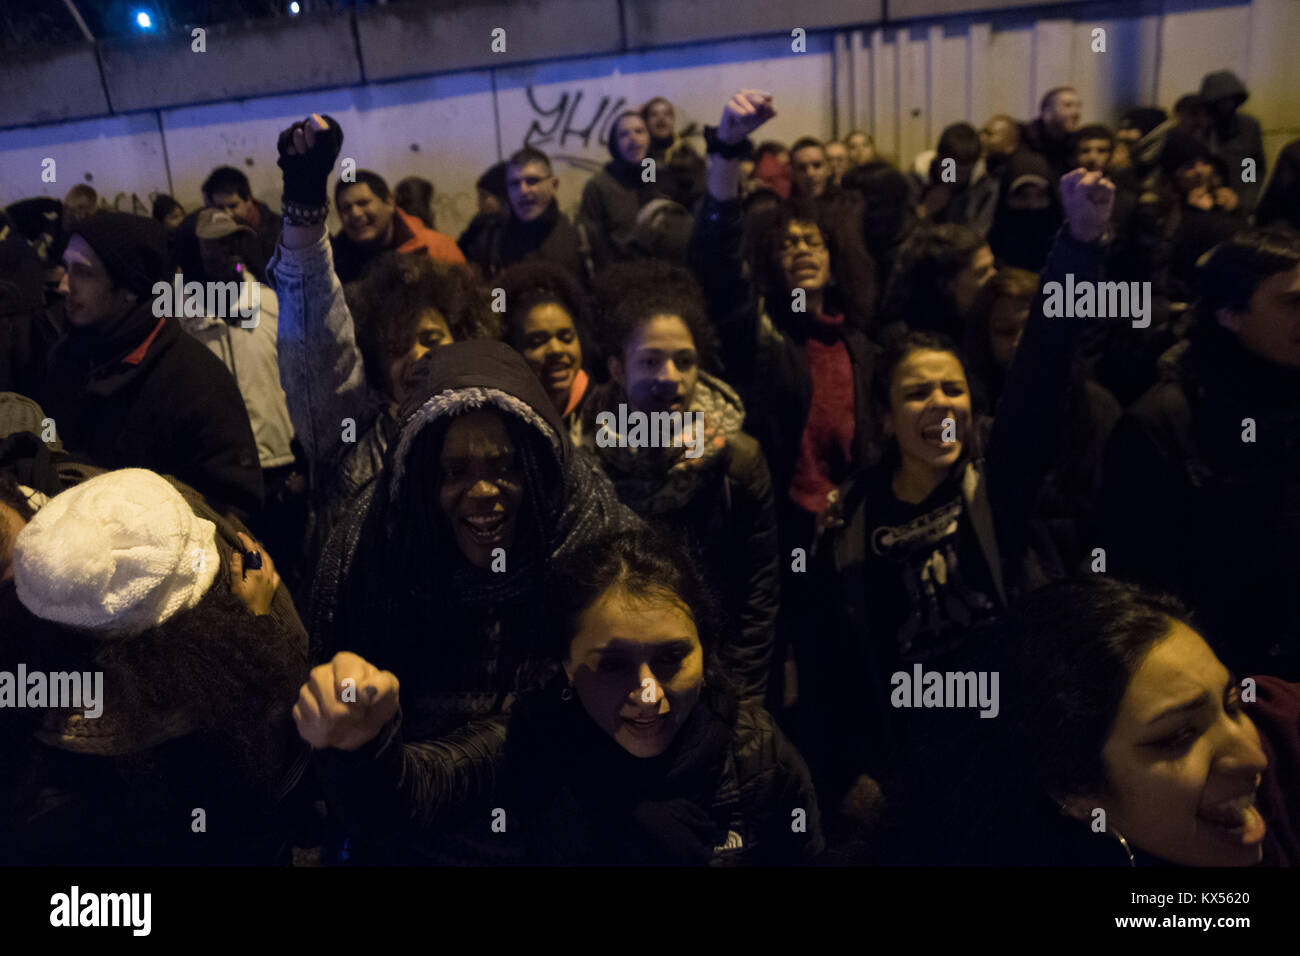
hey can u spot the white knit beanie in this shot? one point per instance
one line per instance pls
(119, 554)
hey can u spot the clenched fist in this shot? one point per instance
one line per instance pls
(345, 703)
(1088, 199)
(744, 113)
(307, 154)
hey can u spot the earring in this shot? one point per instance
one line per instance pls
(566, 695)
(1124, 843)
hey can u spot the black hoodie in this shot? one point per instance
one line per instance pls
(393, 587)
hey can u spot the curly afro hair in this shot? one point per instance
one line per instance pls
(396, 289)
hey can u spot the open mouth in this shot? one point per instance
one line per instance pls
(557, 374)
(485, 529)
(644, 728)
(934, 435)
(1238, 818)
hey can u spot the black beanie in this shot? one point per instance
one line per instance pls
(1181, 148)
(132, 248)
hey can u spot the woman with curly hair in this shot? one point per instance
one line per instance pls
(548, 321)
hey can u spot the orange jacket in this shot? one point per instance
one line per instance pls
(439, 247)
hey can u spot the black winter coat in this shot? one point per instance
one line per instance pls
(144, 394)
(731, 790)
(766, 365)
(1192, 507)
(846, 679)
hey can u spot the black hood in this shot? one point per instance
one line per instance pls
(566, 500)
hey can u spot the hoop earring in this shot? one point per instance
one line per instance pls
(566, 695)
(1124, 843)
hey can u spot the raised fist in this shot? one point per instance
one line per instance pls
(744, 113)
(1088, 198)
(307, 153)
(345, 703)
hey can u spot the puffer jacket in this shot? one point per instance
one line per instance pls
(730, 790)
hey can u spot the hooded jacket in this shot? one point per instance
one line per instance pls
(1237, 139)
(393, 587)
(610, 203)
(721, 503)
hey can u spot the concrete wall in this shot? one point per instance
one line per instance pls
(903, 81)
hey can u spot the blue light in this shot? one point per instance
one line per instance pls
(294, 8)
(143, 20)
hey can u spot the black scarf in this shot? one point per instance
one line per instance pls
(586, 800)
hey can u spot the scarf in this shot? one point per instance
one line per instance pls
(658, 481)
(586, 800)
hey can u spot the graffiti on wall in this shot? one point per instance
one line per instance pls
(568, 123)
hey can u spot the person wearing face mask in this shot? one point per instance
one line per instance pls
(614, 195)
(627, 746)
(548, 320)
(932, 540)
(345, 377)
(1123, 741)
(435, 572)
(793, 342)
(1028, 212)
(712, 489)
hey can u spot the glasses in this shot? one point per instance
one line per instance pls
(812, 241)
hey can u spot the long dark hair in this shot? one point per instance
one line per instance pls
(1065, 654)
(646, 563)
(920, 290)
(216, 662)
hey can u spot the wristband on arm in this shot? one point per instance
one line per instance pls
(716, 147)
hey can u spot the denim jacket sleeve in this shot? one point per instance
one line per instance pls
(321, 368)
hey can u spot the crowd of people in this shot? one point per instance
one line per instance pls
(379, 564)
